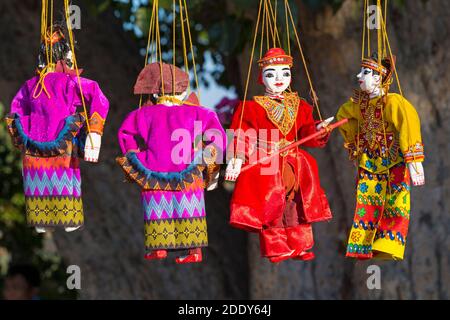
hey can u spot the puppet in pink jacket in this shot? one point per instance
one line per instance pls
(46, 126)
(172, 149)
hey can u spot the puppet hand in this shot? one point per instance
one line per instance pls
(214, 182)
(324, 123)
(417, 173)
(92, 148)
(233, 169)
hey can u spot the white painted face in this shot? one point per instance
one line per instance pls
(276, 78)
(368, 81)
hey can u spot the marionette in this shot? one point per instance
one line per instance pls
(45, 125)
(383, 138)
(172, 148)
(282, 199)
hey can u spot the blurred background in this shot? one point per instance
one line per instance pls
(109, 250)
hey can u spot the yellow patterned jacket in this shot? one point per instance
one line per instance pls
(381, 132)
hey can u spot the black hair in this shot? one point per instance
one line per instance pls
(29, 272)
(60, 50)
(384, 62)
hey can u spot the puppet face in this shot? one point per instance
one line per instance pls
(368, 81)
(276, 78)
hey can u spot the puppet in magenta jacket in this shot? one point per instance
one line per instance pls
(163, 144)
(46, 126)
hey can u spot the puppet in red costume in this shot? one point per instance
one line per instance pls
(281, 199)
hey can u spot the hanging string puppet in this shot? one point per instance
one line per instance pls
(181, 146)
(383, 137)
(281, 199)
(45, 125)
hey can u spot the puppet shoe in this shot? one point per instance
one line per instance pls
(71, 229)
(194, 256)
(40, 230)
(281, 257)
(156, 255)
(305, 256)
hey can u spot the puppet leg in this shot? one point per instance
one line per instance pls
(390, 238)
(371, 192)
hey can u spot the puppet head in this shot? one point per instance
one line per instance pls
(157, 81)
(275, 71)
(55, 41)
(375, 76)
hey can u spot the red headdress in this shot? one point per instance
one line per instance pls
(385, 68)
(151, 80)
(274, 56)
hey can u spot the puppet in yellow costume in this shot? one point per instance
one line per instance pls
(383, 137)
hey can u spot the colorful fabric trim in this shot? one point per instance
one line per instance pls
(96, 123)
(173, 204)
(60, 182)
(282, 114)
(54, 211)
(153, 180)
(176, 233)
(415, 153)
(44, 149)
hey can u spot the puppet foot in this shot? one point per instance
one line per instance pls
(40, 230)
(71, 229)
(156, 255)
(194, 256)
(305, 256)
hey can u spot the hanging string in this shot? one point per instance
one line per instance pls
(47, 39)
(263, 28)
(72, 46)
(368, 31)
(183, 36)
(248, 74)
(147, 51)
(394, 67)
(158, 40)
(379, 40)
(363, 47)
(174, 57)
(275, 29)
(385, 22)
(266, 15)
(192, 50)
(288, 32)
(313, 93)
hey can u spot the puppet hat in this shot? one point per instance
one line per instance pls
(150, 79)
(385, 68)
(274, 56)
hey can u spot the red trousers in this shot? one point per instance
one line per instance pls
(287, 235)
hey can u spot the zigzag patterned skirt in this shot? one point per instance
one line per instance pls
(175, 219)
(173, 203)
(52, 189)
(51, 175)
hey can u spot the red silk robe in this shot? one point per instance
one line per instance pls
(259, 200)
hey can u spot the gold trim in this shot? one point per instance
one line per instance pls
(282, 115)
